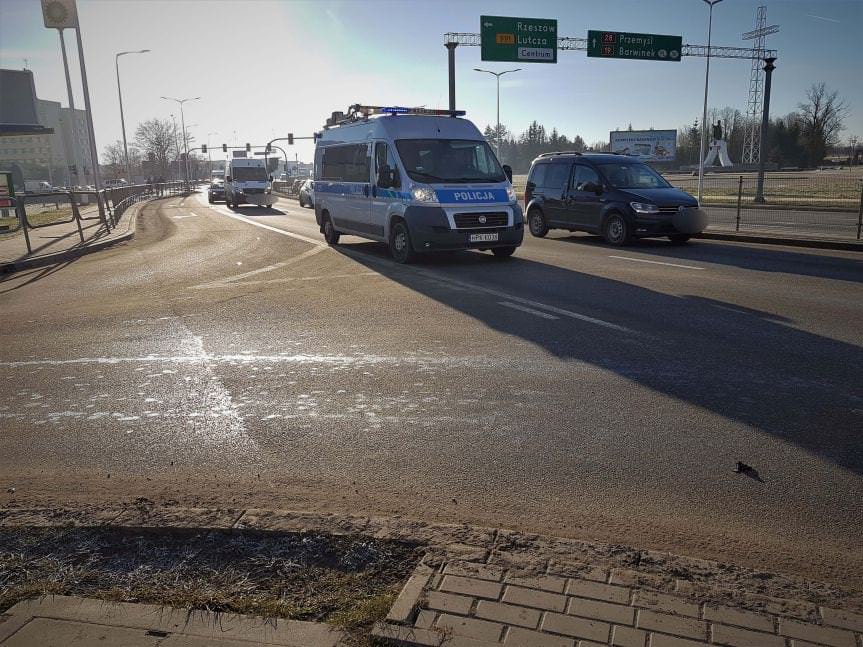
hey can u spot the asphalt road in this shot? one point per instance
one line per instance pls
(232, 359)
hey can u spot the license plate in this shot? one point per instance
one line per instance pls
(483, 238)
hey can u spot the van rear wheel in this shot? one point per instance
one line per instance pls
(400, 244)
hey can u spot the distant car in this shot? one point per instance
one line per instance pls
(307, 194)
(113, 184)
(216, 191)
(295, 186)
(612, 195)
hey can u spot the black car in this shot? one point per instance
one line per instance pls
(216, 191)
(615, 196)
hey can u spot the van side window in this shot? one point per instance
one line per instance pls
(345, 163)
(583, 175)
(557, 176)
(537, 175)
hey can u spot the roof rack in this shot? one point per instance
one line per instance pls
(558, 153)
(358, 112)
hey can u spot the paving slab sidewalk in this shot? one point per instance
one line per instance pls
(467, 604)
(62, 621)
(479, 587)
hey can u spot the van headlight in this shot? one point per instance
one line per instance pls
(423, 194)
(643, 207)
(511, 195)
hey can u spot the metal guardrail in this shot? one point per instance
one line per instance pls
(106, 206)
(805, 204)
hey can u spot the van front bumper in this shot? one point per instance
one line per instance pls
(690, 221)
(431, 232)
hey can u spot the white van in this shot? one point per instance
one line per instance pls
(419, 180)
(247, 182)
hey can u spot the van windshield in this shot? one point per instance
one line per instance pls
(629, 175)
(250, 174)
(449, 160)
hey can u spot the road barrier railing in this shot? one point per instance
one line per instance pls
(810, 204)
(38, 210)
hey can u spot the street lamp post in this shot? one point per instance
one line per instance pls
(122, 120)
(498, 75)
(183, 125)
(704, 113)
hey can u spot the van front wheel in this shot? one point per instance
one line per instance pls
(330, 233)
(400, 244)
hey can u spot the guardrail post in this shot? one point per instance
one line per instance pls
(77, 215)
(860, 212)
(21, 210)
(739, 199)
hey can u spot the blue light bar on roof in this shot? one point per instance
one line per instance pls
(395, 110)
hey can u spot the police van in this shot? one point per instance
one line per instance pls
(417, 179)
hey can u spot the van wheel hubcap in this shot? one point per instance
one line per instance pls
(615, 229)
(400, 241)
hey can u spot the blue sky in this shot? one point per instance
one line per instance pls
(264, 68)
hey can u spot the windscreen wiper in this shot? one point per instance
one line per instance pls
(427, 175)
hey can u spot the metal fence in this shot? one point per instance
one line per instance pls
(37, 210)
(812, 204)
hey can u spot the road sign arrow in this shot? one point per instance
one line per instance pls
(488, 24)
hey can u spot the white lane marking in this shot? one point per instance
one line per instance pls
(499, 293)
(643, 260)
(288, 279)
(191, 215)
(469, 286)
(261, 270)
(314, 241)
(536, 313)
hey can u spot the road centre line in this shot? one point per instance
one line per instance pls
(287, 279)
(445, 279)
(236, 216)
(498, 293)
(536, 313)
(643, 260)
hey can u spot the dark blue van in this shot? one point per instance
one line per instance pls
(615, 196)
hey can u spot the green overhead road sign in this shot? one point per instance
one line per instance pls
(621, 44)
(518, 40)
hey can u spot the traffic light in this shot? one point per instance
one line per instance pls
(269, 148)
(248, 147)
(290, 139)
(203, 148)
(224, 148)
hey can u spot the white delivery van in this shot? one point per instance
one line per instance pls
(36, 186)
(247, 182)
(419, 180)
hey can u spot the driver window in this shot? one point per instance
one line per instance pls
(583, 175)
(384, 156)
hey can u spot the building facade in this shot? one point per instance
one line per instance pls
(54, 157)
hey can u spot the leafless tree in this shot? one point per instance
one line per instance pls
(115, 158)
(823, 118)
(157, 138)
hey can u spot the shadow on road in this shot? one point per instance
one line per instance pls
(739, 363)
(761, 259)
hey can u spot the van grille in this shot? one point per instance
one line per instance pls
(668, 210)
(474, 220)
(249, 191)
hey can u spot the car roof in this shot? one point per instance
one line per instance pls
(589, 157)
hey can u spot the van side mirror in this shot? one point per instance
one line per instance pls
(592, 186)
(507, 170)
(271, 178)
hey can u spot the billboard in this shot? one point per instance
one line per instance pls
(646, 145)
